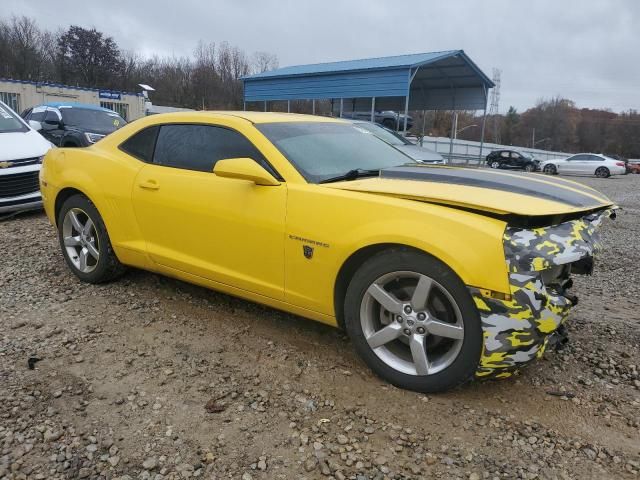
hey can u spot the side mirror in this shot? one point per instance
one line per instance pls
(35, 125)
(244, 169)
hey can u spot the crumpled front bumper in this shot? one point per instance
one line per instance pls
(517, 328)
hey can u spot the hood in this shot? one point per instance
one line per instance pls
(19, 145)
(420, 154)
(502, 193)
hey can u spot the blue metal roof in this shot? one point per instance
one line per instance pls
(379, 63)
(436, 80)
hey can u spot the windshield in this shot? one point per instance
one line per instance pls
(320, 151)
(92, 120)
(383, 133)
(9, 121)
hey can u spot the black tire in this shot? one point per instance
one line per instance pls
(529, 167)
(550, 169)
(602, 172)
(495, 164)
(107, 267)
(398, 259)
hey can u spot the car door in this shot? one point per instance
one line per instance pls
(505, 159)
(227, 230)
(51, 126)
(570, 165)
(590, 164)
(517, 160)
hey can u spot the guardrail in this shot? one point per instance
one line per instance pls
(468, 152)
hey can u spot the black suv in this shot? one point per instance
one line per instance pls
(512, 160)
(72, 124)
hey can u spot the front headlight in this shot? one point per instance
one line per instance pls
(93, 137)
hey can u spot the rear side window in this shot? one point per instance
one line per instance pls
(199, 147)
(141, 144)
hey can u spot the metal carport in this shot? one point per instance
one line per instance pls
(423, 81)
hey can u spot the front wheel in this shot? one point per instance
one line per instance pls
(413, 321)
(550, 169)
(530, 167)
(603, 172)
(85, 242)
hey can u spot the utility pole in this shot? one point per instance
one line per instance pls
(533, 138)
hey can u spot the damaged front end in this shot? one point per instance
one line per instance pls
(540, 261)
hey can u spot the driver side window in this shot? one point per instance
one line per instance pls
(199, 147)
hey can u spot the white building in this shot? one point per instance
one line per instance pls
(23, 94)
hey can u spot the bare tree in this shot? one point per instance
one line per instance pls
(263, 62)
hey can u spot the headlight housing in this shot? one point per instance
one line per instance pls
(93, 137)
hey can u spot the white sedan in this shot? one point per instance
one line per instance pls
(584, 164)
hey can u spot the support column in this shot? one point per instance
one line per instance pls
(265, 105)
(452, 134)
(406, 114)
(484, 119)
(313, 106)
(341, 106)
(288, 106)
(373, 109)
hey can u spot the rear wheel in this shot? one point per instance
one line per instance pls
(550, 169)
(85, 243)
(494, 164)
(413, 322)
(602, 172)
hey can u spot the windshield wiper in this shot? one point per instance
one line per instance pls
(353, 175)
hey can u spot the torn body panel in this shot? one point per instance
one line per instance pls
(516, 329)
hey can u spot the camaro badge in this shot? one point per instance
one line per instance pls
(308, 251)
(5, 164)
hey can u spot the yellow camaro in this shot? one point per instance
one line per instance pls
(438, 274)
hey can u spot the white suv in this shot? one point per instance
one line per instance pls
(21, 153)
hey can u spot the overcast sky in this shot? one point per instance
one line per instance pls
(585, 50)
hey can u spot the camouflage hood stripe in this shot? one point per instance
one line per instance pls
(523, 184)
(540, 248)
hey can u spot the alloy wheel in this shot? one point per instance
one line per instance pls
(412, 323)
(81, 241)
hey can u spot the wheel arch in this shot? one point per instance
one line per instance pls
(353, 263)
(62, 196)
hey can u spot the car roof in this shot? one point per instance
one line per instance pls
(264, 117)
(86, 106)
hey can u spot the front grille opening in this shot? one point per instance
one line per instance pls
(16, 184)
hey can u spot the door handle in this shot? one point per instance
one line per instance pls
(149, 184)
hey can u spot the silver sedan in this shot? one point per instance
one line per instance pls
(584, 164)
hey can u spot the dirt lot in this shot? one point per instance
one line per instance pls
(152, 378)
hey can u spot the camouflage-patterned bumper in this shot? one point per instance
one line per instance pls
(517, 329)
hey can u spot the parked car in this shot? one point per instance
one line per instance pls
(633, 166)
(73, 124)
(512, 160)
(584, 164)
(313, 216)
(388, 118)
(21, 152)
(415, 152)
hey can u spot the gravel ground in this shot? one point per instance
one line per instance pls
(152, 378)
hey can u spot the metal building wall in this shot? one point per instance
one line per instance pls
(32, 94)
